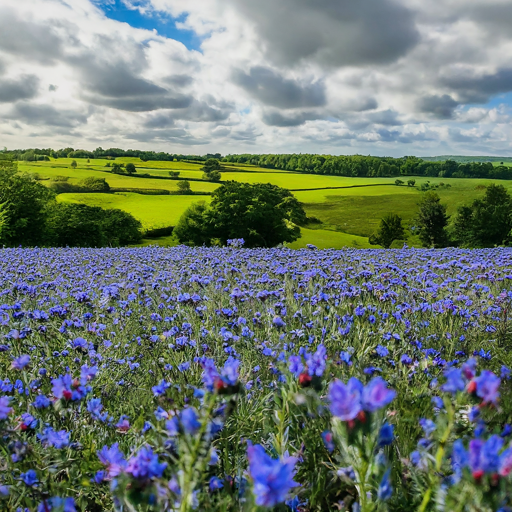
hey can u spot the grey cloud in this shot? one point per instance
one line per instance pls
(46, 115)
(174, 135)
(442, 107)
(275, 118)
(23, 88)
(384, 117)
(178, 80)
(29, 40)
(333, 32)
(52, 87)
(159, 121)
(202, 111)
(479, 88)
(272, 89)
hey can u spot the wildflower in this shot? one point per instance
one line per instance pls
(386, 435)
(272, 478)
(29, 478)
(5, 410)
(94, 406)
(28, 421)
(21, 362)
(454, 381)
(41, 402)
(144, 465)
(61, 387)
(278, 322)
(215, 484)
(381, 351)
(376, 395)
(230, 371)
(345, 399)
(428, 426)
(295, 365)
(56, 503)
(123, 424)
(50, 437)
(487, 385)
(113, 459)
(385, 490)
(188, 419)
(346, 358)
(316, 362)
(328, 441)
(159, 389)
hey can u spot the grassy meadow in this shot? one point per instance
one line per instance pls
(349, 209)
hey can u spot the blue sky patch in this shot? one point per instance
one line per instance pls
(164, 24)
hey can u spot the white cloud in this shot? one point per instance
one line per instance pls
(373, 76)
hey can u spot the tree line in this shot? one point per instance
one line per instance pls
(31, 216)
(350, 166)
(486, 222)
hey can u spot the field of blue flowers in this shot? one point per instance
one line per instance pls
(182, 379)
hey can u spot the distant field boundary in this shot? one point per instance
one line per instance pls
(346, 186)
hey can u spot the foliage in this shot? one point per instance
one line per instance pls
(390, 229)
(184, 187)
(214, 176)
(73, 164)
(432, 221)
(94, 185)
(130, 168)
(487, 222)
(24, 203)
(262, 214)
(231, 379)
(79, 225)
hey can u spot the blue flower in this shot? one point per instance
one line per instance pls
(386, 435)
(328, 440)
(454, 381)
(272, 478)
(159, 389)
(21, 362)
(316, 362)
(487, 385)
(41, 402)
(428, 426)
(113, 459)
(29, 478)
(5, 410)
(377, 395)
(50, 437)
(188, 420)
(385, 490)
(144, 465)
(345, 400)
(215, 484)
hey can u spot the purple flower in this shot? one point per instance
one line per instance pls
(41, 402)
(21, 362)
(56, 503)
(50, 437)
(215, 484)
(28, 421)
(159, 389)
(328, 441)
(188, 419)
(428, 426)
(345, 399)
(377, 395)
(346, 358)
(113, 459)
(382, 351)
(489, 458)
(5, 410)
(61, 387)
(487, 385)
(295, 365)
(230, 371)
(386, 435)
(278, 322)
(460, 458)
(454, 381)
(385, 490)
(144, 465)
(29, 478)
(505, 463)
(272, 478)
(316, 362)
(94, 406)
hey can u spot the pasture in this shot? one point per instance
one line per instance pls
(346, 207)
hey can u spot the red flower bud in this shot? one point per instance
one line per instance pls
(304, 380)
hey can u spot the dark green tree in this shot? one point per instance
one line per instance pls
(92, 184)
(487, 222)
(390, 229)
(120, 228)
(73, 164)
(264, 215)
(130, 168)
(212, 164)
(214, 176)
(184, 187)
(24, 207)
(432, 221)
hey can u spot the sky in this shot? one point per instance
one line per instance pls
(379, 77)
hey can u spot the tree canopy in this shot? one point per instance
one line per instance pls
(264, 215)
(432, 221)
(390, 229)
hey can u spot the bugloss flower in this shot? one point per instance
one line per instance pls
(316, 362)
(385, 490)
(215, 484)
(62, 387)
(295, 365)
(5, 410)
(21, 362)
(428, 426)
(454, 381)
(29, 478)
(487, 386)
(159, 389)
(188, 420)
(328, 440)
(41, 402)
(57, 504)
(345, 399)
(386, 435)
(144, 465)
(113, 459)
(94, 406)
(377, 395)
(230, 371)
(28, 421)
(272, 478)
(50, 437)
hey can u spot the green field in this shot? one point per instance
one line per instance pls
(349, 209)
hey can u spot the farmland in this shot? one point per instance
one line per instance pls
(149, 379)
(346, 207)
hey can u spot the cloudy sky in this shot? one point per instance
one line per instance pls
(381, 77)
